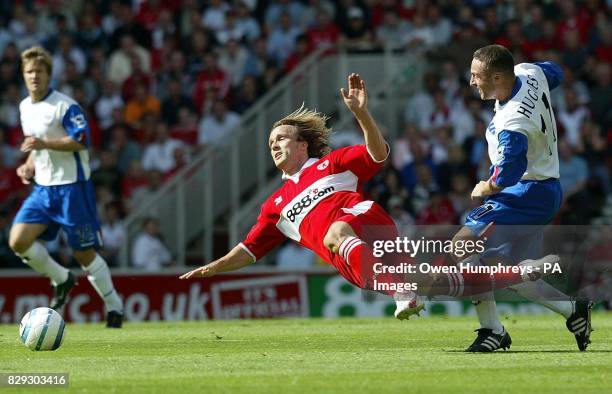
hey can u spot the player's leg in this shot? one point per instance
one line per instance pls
(491, 331)
(30, 224)
(79, 221)
(344, 238)
(23, 241)
(100, 278)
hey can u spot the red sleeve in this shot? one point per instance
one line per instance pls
(264, 235)
(357, 159)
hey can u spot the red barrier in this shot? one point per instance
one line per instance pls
(165, 297)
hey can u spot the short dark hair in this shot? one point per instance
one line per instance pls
(495, 58)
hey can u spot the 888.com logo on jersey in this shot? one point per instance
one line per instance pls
(304, 204)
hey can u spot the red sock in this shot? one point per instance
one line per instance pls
(467, 284)
(359, 256)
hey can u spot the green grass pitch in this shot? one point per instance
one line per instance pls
(317, 355)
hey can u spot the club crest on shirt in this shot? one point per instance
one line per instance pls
(323, 165)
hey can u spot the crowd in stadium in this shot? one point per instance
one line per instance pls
(159, 79)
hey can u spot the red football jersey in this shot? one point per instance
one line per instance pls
(311, 200)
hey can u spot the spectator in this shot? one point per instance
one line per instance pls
(68, 52)
(324, 33)
(302, 49)
(214, 128)
(142, 103)
(159, 155)
(573, 170)
(357, 35)
(392, 31)
(120, 63)
(212, 78)
(402, 219)
(439, 25)
(113, 232)
(232, 60)
(149, 253)
(109, 101)
(175, 101)
(421, 35)
(107, 174)
(601, 95)
(291, 8)
(313, 9)
(230, 30)
(186, 128)
(124, 147)
(246, 95)
(9, 107)
(246, 23)
(214, 16)
(572, 118)
(281, 42)
(257, 59)
(138, 76)
(9, 155)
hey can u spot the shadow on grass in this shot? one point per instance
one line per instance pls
(529, 351)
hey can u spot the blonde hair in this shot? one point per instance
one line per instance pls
(37, 54)
(311, 128)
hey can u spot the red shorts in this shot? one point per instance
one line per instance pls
(371, 223)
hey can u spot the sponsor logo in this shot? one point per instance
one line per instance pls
(278, 200)
(312, 196)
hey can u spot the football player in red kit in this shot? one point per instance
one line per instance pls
(321, 206)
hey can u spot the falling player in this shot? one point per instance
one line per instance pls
(56, 141)
(321, 207)
(523, 188)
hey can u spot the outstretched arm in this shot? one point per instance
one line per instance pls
(233, 260)
(356, 99)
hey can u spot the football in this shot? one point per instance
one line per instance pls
(42, 329)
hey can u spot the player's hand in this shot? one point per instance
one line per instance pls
(26, 173)
(480, 190)
(204, 271)
(32, 143)
(356, 99)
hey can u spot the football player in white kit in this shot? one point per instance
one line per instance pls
(523, 188)
(56, 141)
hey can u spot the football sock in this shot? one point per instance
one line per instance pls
(486, 310)
(100, 278)
(544, 294)
(39, 259)
(359, 255)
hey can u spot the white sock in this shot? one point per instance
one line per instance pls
(486, 309)
(100, 278)
(544, 294)
(39, 259)
(487, 312)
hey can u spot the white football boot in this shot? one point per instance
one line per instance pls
(407, 304)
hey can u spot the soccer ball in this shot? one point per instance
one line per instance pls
(42, 329)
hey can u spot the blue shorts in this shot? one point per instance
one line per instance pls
(519, 213)
(70, 207)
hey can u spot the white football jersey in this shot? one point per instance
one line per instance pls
(529, 112)
(56, 116)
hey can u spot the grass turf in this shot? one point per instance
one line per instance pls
(315, 355)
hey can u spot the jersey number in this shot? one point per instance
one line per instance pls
(552, 122)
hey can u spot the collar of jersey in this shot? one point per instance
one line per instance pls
(515, 89)
(46, 96)
(296, 177)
